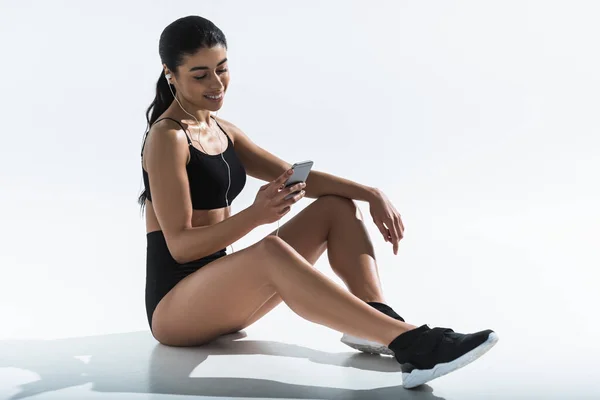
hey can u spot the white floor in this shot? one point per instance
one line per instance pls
(286, 357)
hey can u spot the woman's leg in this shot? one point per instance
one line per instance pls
(334, 223)
(350, 250)
(225, 295)
(316, 298)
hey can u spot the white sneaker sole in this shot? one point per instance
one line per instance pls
(365, 345)
(419, 376)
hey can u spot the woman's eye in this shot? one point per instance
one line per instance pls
(202, 77)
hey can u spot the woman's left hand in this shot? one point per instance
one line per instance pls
(387, 219)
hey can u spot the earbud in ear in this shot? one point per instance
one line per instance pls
(168, 76)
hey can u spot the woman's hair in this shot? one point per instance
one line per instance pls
(184, 36)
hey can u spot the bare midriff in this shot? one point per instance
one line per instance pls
(199, 217)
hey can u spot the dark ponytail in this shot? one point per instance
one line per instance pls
(182, 37)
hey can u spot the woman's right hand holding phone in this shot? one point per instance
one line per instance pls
(270, 204)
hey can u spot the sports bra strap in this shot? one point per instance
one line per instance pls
(223, 130)
(186, 134)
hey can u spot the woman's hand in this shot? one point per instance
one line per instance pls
(270, 203)
(387, 219)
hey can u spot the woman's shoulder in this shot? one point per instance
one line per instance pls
(166, 122)
(164, 133)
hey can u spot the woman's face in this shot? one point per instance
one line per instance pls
(203, 74)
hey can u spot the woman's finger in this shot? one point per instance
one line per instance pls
(279, 183)
(394, 233)
(295, 198)
(399, 228)
(289, 190)
(382, 229)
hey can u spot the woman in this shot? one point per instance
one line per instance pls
(194, 165)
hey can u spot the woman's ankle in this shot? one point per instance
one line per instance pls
(402, 327)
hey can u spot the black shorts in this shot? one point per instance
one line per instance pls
(163, 272)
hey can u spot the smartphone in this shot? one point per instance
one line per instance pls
(301, 171)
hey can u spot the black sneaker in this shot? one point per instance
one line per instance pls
(428, 353)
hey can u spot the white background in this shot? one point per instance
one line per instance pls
(479, 120)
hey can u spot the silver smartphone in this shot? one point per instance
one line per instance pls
(301, 171)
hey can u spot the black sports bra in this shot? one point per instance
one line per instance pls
(208, 175)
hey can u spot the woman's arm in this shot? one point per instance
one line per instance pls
(261, 164)
(166, 153)
(193, 243)
(321, 183)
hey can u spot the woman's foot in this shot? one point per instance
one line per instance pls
(425, 353)
(368, 346)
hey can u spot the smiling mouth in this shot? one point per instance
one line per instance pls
(214, 97)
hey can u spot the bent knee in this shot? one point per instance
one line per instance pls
(333, 201)
(272, 244)
(275, 248)
(334, 204)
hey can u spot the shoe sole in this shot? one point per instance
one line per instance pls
(418, 377)
(366, 346)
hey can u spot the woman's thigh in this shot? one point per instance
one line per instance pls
(216, 299)
(233, 292)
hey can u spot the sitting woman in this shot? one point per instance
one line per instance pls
(195, 164)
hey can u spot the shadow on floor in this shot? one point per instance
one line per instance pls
(136, 363)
